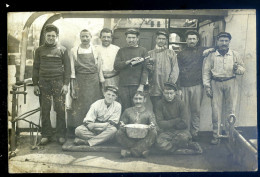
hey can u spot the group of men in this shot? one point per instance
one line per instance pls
(119, 75)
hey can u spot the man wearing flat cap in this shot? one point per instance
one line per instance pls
(163, 67)
(132, 78)
(100, 123)
(171, 116)
(220, 71)
(190, 61)
(51, 75)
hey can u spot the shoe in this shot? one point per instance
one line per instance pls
(196, 147)
(125, 153)
(61, 140)
(79, 142)
(214, 141)
(44, 141)
(145, 153)
(195, 138)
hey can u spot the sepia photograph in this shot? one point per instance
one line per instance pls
(129, 91)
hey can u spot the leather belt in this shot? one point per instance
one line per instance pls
(222, 79)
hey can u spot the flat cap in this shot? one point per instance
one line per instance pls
(224, 34)
(169, 85)
(51, 27)
(132, 31)
(112, 88)
(191, 32)
(162, 32)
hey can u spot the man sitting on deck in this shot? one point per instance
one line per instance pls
(137, 115)
(171, 117)
(99, 125)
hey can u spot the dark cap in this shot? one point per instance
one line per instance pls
(224, 34)
(162, 32)
(169, 85)
(132, 31)
(51, 27)
(192, 32)
(112, 88)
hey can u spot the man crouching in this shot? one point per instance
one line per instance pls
(171, 117)
(99, 125)
(138, 114)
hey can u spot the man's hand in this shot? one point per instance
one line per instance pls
(91, 126)
(180, 94)
(140, 88)
(152, 126)
(122, 125)
(131, 60)
(235, 66)
(64, 90)
(36, 90)
(208, 51)
(209, 92)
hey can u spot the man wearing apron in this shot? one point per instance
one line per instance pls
(86, 77)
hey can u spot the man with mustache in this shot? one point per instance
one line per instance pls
(86, 78)
(171, 117)
(137, 115)
(219, 78)
(108, 53)
(51, 74)
(190, 62)
(163, 67)
(100, 123)
(131, 78)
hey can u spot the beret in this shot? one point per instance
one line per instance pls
(112, 88)
(132, 31)
(224, 34)
(51, 27)
(170, 85)
(162, 33)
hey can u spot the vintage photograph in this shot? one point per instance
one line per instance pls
(132, 91)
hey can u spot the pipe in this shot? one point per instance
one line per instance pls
(23, 53)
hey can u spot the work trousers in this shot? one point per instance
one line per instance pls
(126, 94)
(134, 144)
(52, 89)
(155, 100)
(192, 97)
(223, 93)
(173, 140)
(95, 138)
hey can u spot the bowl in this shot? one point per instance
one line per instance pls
(136, 130)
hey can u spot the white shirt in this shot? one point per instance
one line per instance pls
(99, 111)
(108, 55)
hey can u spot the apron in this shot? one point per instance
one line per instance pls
(88, 88)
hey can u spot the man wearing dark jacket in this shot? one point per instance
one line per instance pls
(190, 62)
(132, 78)
(51, 73)
(171, 117)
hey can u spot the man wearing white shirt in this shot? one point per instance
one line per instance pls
(100, 123)
(108, 53)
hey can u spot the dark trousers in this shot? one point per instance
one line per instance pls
(126, 94)
(52, 89)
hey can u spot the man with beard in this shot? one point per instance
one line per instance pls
(171, 117)
(137, 115)
(86, 77)
(219, 79)
(164, 67)
(131, 78)
(99, 125)
(190, 62)
(108, 53)
(51, 74)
